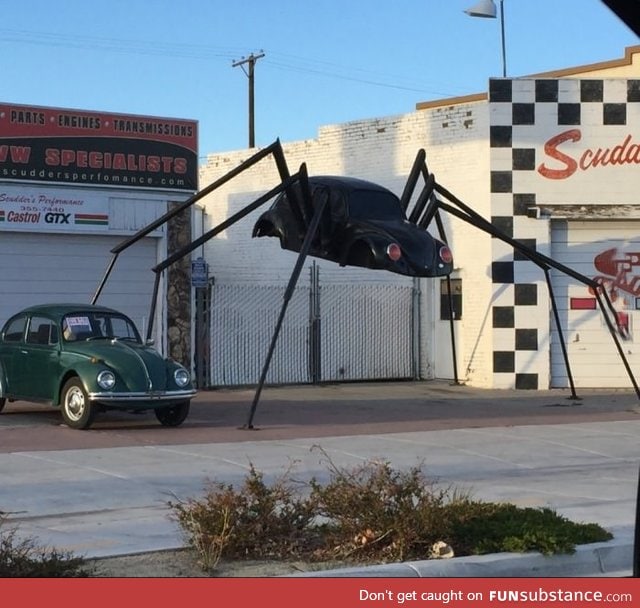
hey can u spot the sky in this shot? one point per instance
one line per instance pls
(325, 61)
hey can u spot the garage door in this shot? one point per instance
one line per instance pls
(41, 268)
(610, 253)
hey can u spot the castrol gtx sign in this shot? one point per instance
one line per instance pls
(49, 209)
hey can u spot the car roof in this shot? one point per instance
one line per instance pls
(347, 184)
(61, 309)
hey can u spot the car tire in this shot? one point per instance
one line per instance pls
(2, 402)
(77, 410)
(173, 415)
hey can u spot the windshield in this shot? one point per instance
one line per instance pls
(96, 325)
(374, 205)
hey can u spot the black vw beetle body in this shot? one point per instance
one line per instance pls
(363, 224)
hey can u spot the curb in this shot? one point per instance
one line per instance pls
(613, 559)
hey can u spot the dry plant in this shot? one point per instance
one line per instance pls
(370, 513)
(256, 521)
(24, 558)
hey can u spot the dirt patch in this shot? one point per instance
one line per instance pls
(183, 563)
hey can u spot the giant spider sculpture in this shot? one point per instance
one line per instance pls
(357, 223)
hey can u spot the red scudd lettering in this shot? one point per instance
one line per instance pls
(551, 150)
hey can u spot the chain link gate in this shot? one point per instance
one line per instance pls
(331, 332)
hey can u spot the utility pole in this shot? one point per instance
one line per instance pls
(251, 62)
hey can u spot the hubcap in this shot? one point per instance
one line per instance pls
(74, 403)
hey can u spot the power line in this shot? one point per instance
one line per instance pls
(117, 45)
(283, 61)
(377, 83)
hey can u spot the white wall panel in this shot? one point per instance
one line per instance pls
(42, 268)
(593, 356)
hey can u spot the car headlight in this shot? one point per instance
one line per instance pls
(182, 377)
(106, 380)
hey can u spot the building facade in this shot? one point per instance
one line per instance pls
(73, 185)
(551, 160)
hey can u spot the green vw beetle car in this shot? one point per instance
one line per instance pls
(85, 359)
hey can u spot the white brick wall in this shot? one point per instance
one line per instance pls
(382, 150)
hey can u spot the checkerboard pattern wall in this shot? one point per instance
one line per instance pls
(524, 113)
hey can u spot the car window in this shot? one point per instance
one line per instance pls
(96, 325)
(42, 331)
(116, 326)
(123, 328)
(14, 330)
(77, 327)
(374, 205)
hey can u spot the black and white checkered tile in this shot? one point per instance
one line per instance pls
(519, 111)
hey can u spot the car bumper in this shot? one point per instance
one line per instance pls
(142, 397)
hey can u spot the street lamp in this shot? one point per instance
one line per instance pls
(487, 9)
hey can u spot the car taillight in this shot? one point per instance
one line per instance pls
(394, 252)
(445, 254)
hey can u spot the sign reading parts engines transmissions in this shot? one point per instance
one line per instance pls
(97, 148)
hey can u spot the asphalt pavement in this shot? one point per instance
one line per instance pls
(105, 491)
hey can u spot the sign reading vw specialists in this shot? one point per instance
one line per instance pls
(97, 148)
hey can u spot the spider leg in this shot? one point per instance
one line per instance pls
(423, 199)
(412, 180)
(299, 203)
(465, 213)
(424, 210)
(556, 319)
(275, 148)
(304, 198)
(297, 269)
(426, 207)
(183, 251)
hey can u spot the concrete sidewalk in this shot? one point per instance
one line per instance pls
(113, 501)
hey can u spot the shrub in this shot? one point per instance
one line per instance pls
(25, 559)
(256, 521)
(369, 513)
(374, 512)
(493, 528)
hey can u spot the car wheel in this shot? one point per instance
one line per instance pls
(174, 415)
(77, 410)
(2, 402)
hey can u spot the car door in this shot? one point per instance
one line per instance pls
(35, 364)
(10, 351)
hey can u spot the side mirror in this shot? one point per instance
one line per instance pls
(149, 342)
